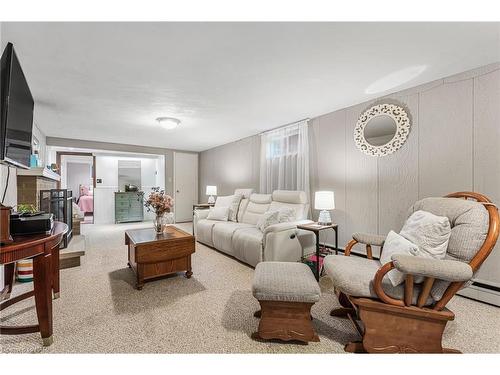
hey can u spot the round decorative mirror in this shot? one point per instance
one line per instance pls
(382, 129)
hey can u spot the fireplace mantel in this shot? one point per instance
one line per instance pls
(39, 172)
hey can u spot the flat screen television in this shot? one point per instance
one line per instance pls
(16, 112)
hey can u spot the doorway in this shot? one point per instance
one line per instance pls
(78, 175)
(185, 185)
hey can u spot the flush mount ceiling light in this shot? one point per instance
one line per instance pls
(168, 122)
(395, 79)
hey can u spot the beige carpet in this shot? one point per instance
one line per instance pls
(100, 312)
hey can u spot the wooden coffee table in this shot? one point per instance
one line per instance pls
(152, 255)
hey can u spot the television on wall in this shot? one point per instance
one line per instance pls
(16, 107)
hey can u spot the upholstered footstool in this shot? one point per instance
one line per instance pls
(286, 292)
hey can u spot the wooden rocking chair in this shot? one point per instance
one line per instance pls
(411, 318)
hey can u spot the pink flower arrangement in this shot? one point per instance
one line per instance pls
(158, 201)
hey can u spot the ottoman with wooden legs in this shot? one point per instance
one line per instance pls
(286, 292)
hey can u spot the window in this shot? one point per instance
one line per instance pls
(285, 159)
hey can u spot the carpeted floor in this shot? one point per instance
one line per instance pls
(100, 311)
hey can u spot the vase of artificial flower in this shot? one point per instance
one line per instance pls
(158, 224)
(159, 203)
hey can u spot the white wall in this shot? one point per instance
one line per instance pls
(231, 166)
(152, 174)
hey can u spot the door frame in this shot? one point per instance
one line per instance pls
(68, 153)
(59, 154)
(175, 178)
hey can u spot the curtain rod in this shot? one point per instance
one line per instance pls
(284, 126)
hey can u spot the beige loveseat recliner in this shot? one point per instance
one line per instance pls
(244, 241)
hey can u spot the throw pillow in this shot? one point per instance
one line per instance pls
(396, 244)
(429, 232)
(286, 215)
(232, 202)
(218, 213)
(267, 219)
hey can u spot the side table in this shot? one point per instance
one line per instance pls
(316, 229)
(44, 249)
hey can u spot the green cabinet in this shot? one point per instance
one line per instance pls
(128, 207)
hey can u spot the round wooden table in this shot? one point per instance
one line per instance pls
(44, 250)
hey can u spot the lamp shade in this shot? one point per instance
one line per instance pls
(211, 190)
(324, 200)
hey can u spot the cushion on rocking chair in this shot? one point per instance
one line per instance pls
(354, 275)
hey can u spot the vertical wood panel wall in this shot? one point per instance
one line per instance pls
(454, 145)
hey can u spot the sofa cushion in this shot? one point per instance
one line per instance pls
(267, 219)
(222, 235)
(285, 281)
(245, 193)
(299, 210)
(245, 198)
(290, 196)
(242, 208)
(218, 213)
(248, 245)
(354, 276)
(287, 214)
(258, 205)
(260, 198)
(204, 231)
(231, 201)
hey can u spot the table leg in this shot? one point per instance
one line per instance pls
(140, 276)
(8, 273)
(189, 271)
(317, 256)
(42, 281)
(336, 241)
(55, 271)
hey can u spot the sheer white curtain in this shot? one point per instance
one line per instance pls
(284, 159)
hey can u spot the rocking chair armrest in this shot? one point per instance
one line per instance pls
(369, 239)
(379, 290)
(449, 270)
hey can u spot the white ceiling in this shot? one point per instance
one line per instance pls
(224, 81)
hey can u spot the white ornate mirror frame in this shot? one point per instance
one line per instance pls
(397, 114)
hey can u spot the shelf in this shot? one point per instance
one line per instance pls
(39, 172)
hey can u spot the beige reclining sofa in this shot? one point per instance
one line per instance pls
(242, 239)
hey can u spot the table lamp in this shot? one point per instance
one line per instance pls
(324, 201)
(211, 191)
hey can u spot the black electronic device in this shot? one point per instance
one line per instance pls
(22, 225)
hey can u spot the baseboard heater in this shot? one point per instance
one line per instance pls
(483, 292)
(480, 290)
